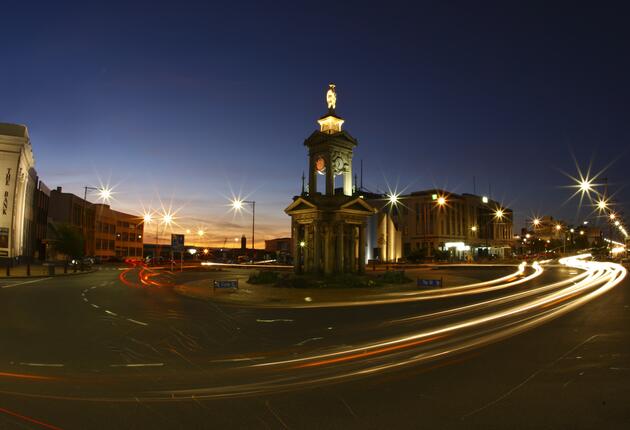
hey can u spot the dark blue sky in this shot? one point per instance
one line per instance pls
(181, 101)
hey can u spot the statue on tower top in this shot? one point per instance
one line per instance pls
(331, 97)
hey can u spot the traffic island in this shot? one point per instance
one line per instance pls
(269, 289)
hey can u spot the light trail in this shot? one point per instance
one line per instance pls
(597, 272)
(411, 341)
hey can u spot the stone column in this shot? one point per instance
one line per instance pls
(296, 251)
(306, 251)
(317, 248)
(330, 176)
(362, 248)
(347, 179)
(312, 178)
(328, 250)
(352, 248)
(340, 248)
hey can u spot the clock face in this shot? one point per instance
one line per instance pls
(339, 164)
(320, 165)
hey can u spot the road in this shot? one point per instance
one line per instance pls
(104, 350)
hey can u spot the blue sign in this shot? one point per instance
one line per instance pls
(177, 242)
(429, 283)
(226, 284)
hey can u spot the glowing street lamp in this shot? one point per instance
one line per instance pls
(612, 216)
(498, 214)
(473, 228)
(392, 199)
(167, 219)
(536, 222)
(558, 227)
(585, 185)
(441, 201)
(237, 205)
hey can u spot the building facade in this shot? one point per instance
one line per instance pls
(108, 234)
(422, 222)
(18, 183)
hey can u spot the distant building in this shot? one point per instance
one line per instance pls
(282, 244)
(465, 225)
(108, 234)
(41, 203)
(18, 184)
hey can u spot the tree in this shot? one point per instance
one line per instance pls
(68, 240)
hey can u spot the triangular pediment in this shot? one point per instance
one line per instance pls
(358, 205)
(300, 204)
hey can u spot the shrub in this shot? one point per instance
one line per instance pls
(263, 277)
(394, 277)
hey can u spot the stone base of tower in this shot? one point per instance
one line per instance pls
(329, 233)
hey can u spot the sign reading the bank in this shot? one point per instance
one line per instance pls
(8, 161)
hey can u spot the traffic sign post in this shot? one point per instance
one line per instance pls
(430, 282)
(225, 284)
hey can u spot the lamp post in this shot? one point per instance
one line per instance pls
(392, 201)
(105, 195)
(237, 204)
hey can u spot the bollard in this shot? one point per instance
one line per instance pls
(28, 269)
(8, 270)
(65, 268)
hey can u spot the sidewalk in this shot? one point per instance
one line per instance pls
(37, 271)
(270, 296)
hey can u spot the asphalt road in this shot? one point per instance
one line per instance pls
(92, 351)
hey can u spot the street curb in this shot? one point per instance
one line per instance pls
(49, 276)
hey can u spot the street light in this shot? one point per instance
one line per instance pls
(237, 205)
(392, 201)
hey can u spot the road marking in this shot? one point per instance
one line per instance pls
(228, 360)
(272, 321)
(95, 306)
(138, 365)
(136, 322)
(111, 313)
(42, 364)
(309, 340)
(25, 282)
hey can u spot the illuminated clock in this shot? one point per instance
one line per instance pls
(339, 164)
(320, 165)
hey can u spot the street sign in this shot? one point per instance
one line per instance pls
(177, 242)
(429, 282)
(226, 284)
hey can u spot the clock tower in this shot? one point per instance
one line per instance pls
(328, 226)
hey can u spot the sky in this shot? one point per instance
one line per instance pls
(184, 104)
